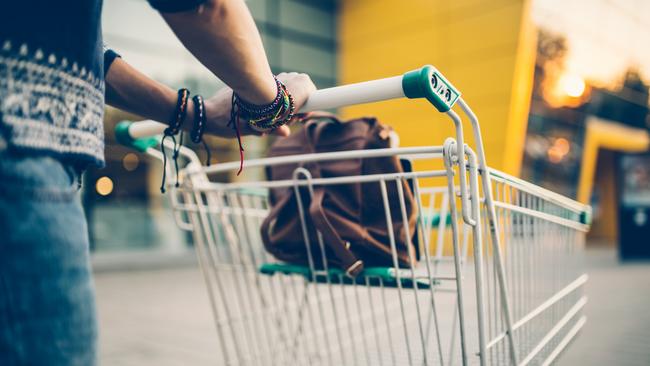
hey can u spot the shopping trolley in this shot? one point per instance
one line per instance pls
(517, 299)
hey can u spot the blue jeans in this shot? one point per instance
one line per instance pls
(47, 308)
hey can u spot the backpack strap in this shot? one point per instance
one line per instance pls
(272, 216)
(353, 266)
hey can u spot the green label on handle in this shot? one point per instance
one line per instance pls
(429, 83)
(447, 93)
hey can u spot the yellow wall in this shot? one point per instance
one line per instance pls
(485, 48)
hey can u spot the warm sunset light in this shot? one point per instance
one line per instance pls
(572, 85)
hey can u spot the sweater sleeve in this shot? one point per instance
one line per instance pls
(109, 57)
(175, 6)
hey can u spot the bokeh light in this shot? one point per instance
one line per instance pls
(130, 162)
(558, 150)
(104, 186)
(562, 145)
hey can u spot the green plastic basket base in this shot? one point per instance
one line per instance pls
(373, 276)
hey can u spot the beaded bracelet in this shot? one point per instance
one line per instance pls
(261, 118)
(280, 118)
(199, 119)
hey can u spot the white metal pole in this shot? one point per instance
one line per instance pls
(146, 129)
(359, 93)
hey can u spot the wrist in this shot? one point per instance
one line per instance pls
(179, 116)
(217, 108)
(265, 93)
(269, 117)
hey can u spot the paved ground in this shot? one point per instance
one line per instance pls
(159, 317)
(618, 326)
(162, 317)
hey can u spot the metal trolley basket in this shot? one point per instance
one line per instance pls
(519, 300)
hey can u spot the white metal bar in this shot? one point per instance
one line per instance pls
(393, 249)
(538, 191)
(542, 215)
(462, 169)
(565, 341)
(328, 156)
(359, 93)
(142, 129)
(477, 243)
(457, 258)
(208, 186)
(545, 305)
(560, 324)
(493, 225)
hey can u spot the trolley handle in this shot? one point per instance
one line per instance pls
(426, 82)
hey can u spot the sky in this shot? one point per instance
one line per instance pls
(605, 37)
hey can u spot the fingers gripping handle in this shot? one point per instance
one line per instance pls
(426, 82)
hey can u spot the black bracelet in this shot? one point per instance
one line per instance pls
(174, 127)
(199, 119)
(179, 113)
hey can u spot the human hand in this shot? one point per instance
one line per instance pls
(218, 107)
(300, 86)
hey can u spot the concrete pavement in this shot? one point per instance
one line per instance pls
(162, 317)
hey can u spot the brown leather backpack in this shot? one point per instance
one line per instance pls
(350, 217)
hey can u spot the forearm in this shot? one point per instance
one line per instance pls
(132, 91)
(223, 36)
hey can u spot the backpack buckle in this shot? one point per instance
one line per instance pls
(354, 269)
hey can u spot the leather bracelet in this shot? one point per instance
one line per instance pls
(179, 112)
(199, 119)
(174, 128)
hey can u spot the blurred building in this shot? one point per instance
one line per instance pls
(589, 111)
(560, 86)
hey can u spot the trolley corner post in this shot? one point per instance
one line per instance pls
(430, 84)
(493, 226)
